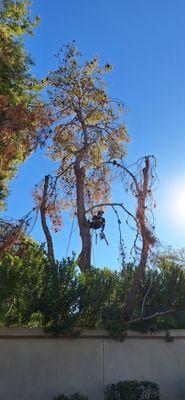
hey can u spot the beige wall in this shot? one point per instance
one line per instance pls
(34, 366)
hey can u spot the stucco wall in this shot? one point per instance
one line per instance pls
(34, 366)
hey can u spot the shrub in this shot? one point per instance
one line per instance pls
(21, 284)
(34, 292)
(132, 390)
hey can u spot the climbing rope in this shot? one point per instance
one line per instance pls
(70, 234)
(94, 262)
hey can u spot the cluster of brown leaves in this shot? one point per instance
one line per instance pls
(19, 126)
(11, 233)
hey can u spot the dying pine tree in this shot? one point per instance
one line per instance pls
(87, 140)
(87, 134)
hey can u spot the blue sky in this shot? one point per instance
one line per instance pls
(145, 42)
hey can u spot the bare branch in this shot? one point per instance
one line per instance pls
(142, 181)
(111, 205)
(148, 317)
(128, 172)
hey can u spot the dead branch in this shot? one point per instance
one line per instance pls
(140, 186)
(148, 317)
(112, 205)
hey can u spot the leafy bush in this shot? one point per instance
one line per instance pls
(98, 288)
(21, 285)
(132, 390)
(57, 297)
(59, 302)
(74, 396)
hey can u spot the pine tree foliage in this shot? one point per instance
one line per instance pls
(21, 112)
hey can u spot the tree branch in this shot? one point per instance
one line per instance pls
(152, 316)
(128, 172)
(112, 205)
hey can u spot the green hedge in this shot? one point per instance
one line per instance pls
(34, 293)
(133, 390)
(123, 390)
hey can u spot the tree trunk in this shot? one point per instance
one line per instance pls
(43, 220)
(138, 276)
(84, 259)
(148, 239)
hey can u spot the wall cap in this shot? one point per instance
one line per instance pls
(38, 333)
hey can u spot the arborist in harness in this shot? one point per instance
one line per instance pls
(98, 222)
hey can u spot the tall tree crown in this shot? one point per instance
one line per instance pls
(88, 126)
